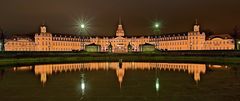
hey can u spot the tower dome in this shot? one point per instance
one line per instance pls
(196, 27)
(120, 31)
(43, 29)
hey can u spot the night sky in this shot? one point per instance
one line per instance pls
(25, 16)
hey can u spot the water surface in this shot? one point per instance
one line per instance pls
(127, 81)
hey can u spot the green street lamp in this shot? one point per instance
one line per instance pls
(156, 25)
(238, 45)
(82, 26)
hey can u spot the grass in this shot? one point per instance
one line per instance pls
(110, 58)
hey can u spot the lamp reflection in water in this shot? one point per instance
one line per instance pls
(82, 85)
(157, 84)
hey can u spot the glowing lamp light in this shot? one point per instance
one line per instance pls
(157, 25)
(82, 26)
(83, 86)
(238, 42)
(157, 85)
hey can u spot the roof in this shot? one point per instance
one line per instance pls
(68, 35)
(146, 44)
(222, 36)
(22, 36)
(169, 35)
(93, 44)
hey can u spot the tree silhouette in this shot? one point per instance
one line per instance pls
(236, 36)
(2, 38)
(208, 32)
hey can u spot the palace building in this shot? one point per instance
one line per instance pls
(193, 40)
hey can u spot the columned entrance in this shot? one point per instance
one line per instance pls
(120, 48)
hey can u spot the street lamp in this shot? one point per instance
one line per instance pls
(238, 45)
(156, 27)
(82, 25)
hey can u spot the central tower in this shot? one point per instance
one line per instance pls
(120, 31)
(196, 27)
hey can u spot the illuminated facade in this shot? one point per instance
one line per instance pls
(20, 44)
(120, 43)
(45, 41)
(194, 40)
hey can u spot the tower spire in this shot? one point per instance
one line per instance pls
(120, 31)
(43, 22)
(196, 27)
(196, 21)
(120, 20)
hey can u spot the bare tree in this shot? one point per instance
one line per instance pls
(236, 36)
(2, 38)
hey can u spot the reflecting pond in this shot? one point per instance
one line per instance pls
(124, 81)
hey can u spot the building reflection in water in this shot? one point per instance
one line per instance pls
(2, 74)
(49, 69)
(120, 74)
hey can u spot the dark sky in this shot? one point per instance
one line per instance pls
(25, 16)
